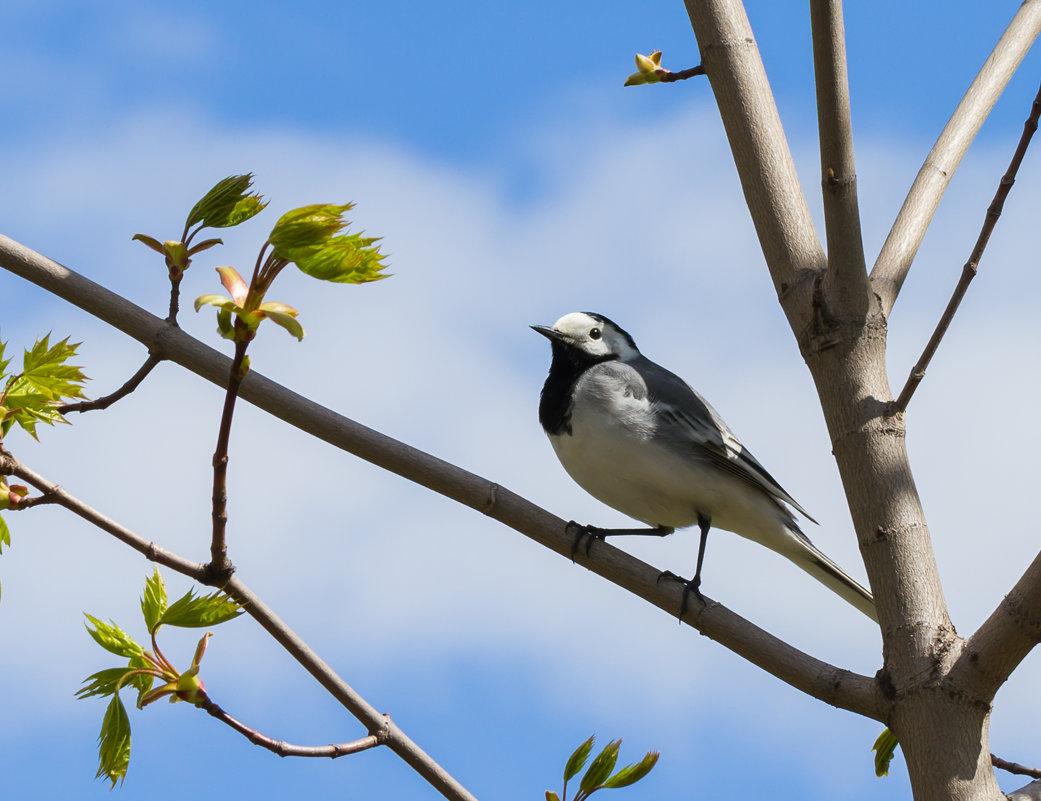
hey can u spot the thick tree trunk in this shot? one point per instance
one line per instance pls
(937, 692)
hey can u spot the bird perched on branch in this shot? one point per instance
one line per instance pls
(637, 437)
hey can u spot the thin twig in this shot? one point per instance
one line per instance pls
(378, 724)
(681, 75)
(819, 679)
(132, 383)
(219, 564)
(284, 749)
(1014, 767)
(894, 260)
(9, 465)
(971, 266)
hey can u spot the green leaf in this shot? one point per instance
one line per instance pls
(551, 796)
(3, 364)
(282, 315)
(153, 602)
(228, 203)
(600, 768)
(44, 368)
(192, 611)
(114, 743)
(578, 759)
(150, 242)
(300, 230)
(45, 381)
(346, 259)
(104, 682)
(113, 639)
(220, 301)
(884, 748)
(631, 774)
(5, 535)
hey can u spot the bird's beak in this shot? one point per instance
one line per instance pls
(548, 332)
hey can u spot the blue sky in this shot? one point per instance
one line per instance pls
(514, 180)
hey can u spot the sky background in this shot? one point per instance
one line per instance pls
(514, 180)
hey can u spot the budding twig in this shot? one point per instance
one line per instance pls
(132, 383)
(285, 749)
(972, 265)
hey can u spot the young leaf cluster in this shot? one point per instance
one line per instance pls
(144, 666)
(314, 239)
(598, 776)
(229, 203)
(45, 381)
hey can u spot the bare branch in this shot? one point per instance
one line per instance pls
(379, 725)
(908, 230)
(847, 271)
(969, 270)
(823, 681)
(1004, 639)
(219, 565)
(155, 553)
(1014, 767)
(103, 403)
(682, 75)
(284, 749)
(764, 163)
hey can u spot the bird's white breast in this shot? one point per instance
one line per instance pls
(612, 455)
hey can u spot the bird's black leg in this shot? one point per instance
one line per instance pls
(694, 585)
(590, 533)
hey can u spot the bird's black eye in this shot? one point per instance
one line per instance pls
(594, 333)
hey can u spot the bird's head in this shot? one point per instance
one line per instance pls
(588, 337)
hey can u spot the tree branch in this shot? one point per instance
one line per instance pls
(220, 566)
(284, 749)
(55, 494)
(764, 163)
(823, 681)
(847, 271)
(1004, 639)
(103, 403)
(379, 725)
(969, 270)
(894, 261)
(1014, 767)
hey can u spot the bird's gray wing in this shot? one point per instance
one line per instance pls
(687, 419)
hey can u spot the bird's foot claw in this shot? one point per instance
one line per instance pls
(670, 576)
(692, 587)
(579, 533)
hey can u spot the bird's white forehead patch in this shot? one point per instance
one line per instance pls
(575, 323)
(577, 326)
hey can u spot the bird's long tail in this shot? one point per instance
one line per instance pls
(810, 559)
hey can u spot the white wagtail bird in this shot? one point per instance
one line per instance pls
(638, 438)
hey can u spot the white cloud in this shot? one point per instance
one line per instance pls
(440, 356)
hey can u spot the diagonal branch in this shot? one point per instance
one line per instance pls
(840, 688)
(764, 163)
(969, 269)
(847, 271)
(1004, 639)
(131, 384)
(379, 725)
(284, 749)
(894, 261)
